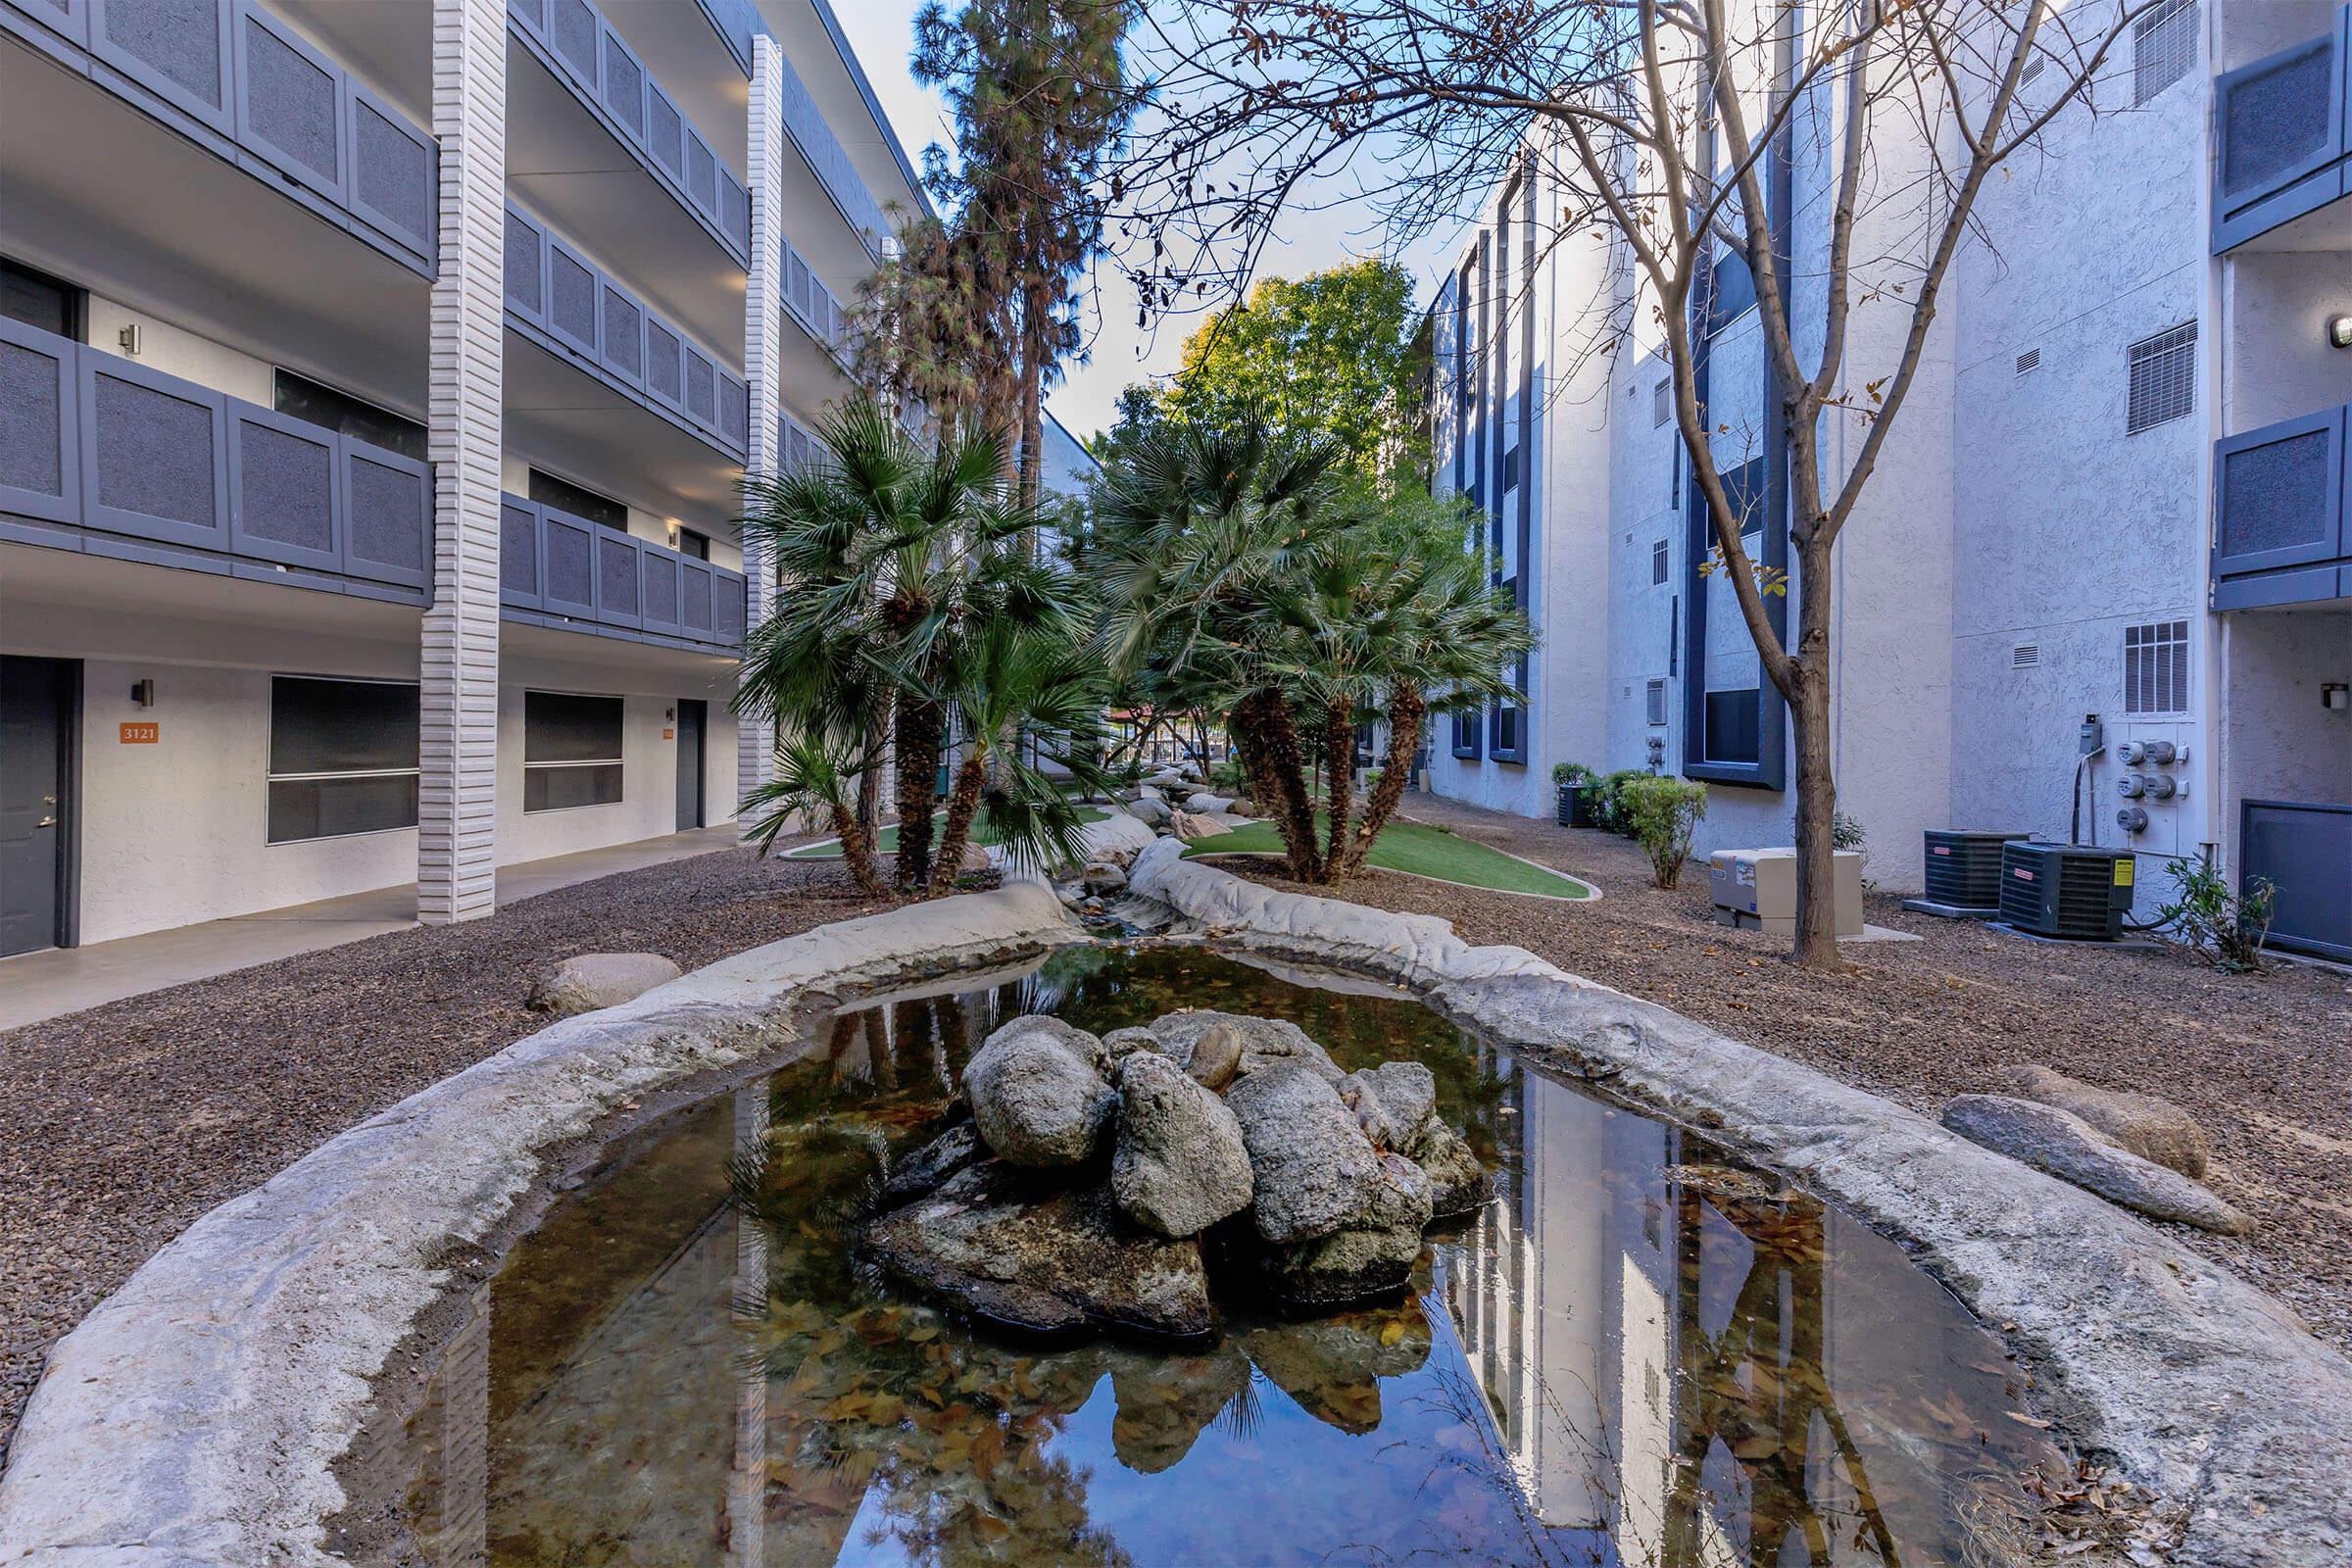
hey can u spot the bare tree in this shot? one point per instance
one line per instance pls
(1677, 132)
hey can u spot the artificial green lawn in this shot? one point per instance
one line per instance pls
(1418, 851)
(830, 850)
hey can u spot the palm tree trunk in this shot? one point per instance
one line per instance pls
(1408, 713)
(869, 783)
(1339, 755)
(963, 804)
(858, 850)
(917, 748)
(1277, 779)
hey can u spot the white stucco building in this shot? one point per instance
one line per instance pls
(377, 384)
(2118, 490)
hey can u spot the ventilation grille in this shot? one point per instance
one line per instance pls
(1964, 869)
(2032, 69)
(1656, 699)
(1661, 403)
(2156, 667)
(2030, 359)
(2025, 655)
(1659, 561)
(2163, 46)
(2164, 384)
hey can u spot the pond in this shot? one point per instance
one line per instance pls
(1638, 1353)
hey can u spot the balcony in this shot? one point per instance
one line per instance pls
(2284, 150)
(237, 80)
(555, 569)
(2280, 509)
(103, 456)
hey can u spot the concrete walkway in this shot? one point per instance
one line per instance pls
(34, 986)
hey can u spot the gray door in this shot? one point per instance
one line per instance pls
(691, 719)
(35, 737)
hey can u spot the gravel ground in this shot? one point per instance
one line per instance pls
(120, 1125)
(2262, 1061)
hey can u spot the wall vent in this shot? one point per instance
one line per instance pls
(2164, 45)
(2030, 359)
(2032, 69)
(1658, 702)
(2025, 655)
(1661, 403)
(1657, 563)
(2156, 667)
(2164, 378)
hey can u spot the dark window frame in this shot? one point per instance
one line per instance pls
(272, 778)
(550, 769)
(575, 499)
(347, 413)
(75, 298)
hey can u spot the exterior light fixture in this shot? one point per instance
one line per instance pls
(2339, 331)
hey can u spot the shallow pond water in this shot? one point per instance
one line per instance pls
(1637, 1353)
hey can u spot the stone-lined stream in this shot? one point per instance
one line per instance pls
(1638, 1353)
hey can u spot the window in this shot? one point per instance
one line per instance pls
(343, 758)
(1658, 702)
(1661, 403)
(2164, 383)
(1734, 731)
(564, 496)
(570, 750)
(690, 543)
(2164, 45)
(2156, 667)
(340, 411)
(40, 301)
(1510, 470)
(1657, 564)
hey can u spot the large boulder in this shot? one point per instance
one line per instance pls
(1371, 1255)
(1179, 1166)
(1458, 1183)
(1079, 1043)
(588, 981)
(1264, 1042)
(2153, 1129)
(1216, 1058)
(1312, 1169)
(1017, 1248)
(2067, 1147)
(1192, 827)
(1151, 810)
(1207, 804)
(1038, 1100)
(1395, 1103)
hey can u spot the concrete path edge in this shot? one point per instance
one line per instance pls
(2197, 1387)
(196, 1415)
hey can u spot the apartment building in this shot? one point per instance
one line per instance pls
(2116, 497)
(376, 385)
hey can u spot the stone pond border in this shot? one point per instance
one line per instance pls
(196, 1415)
(2196, 1386)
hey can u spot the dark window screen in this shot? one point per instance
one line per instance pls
(343, 758)
(570, 750)
(309, 401)
(39, 300)
(694, 544)
(564, 496)
(1733, 730)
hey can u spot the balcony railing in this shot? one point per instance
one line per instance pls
(575, 42)
(555, 566)
(814, 305)
(2280, 534)
(2282, 133)
(102, 454)
(235, 79)
(572, 308)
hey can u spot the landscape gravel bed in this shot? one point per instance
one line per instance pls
(122, 1124)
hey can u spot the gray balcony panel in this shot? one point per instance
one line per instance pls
(567, 547)
(729, 610)
(290, 103)
(526, 267)
(664, 376)
(2304, 849)
(623, 337)
(71, 18)
(517, 554)
(824, 150)
(532, 14)
(572, 290)
(155, 463)
(177, 49)
(702, 173)
(559, 566)
(572, 32)
(389, 500)
(660, 580)
(665, 132)
(625, 86)
(734, 212)
(701, 390)
(40, 471)
(2278, 495)
(281, 488)
(695, 598)
(616, 588)
(2281, 131)
(734, 410)
(391, 172)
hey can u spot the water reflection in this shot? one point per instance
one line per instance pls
(1634, 1354)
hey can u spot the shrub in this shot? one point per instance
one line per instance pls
(1662, 814)
(2231, 926)
(1226, 777)
(1612, 800)
(1565, 774)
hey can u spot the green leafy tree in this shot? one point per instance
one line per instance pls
(928, 330)
(1041, 107)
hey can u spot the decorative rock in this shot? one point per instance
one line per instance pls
(1180, 1165)
(1125, 1042)
(1458, 1183)
(2153, 1129)
(1205, 803)
(1373, 1255)
(975, 858)
(1087, 1047)
(933, 1163)
(1037, 1101)
(1103, 877)
(1394, 1104)
(1013, 1247)
(588, 981)
(1151, 810)
(2069, 1148)
(1216, 1057)
(1265, 1042)
(1313, 1170)
(1192, 827)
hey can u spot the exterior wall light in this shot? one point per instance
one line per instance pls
(2339, 331)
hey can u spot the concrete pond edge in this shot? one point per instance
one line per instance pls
(2197, 1387)
(195, 1417)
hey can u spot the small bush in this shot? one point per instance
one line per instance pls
(1612, 811)
(1226, 777)
(2230, 926)
(1662, 814)
(1565, 774)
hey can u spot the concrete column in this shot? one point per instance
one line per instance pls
(762, 366)
(458, 806)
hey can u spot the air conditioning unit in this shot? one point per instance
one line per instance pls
(1964, 870)
(2078, 892)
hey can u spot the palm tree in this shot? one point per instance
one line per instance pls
(1250, 579)
(889, 558)
(813, 774)
(1013, 681)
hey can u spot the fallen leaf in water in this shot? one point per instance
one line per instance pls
(2024, 1419)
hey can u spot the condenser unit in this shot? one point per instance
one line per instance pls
(2078, 892)
(1964, 872)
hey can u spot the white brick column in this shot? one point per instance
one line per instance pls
(458, 804)
(762, 366)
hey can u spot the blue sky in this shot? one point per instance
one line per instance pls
(882, 32)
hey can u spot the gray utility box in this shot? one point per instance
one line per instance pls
(1757, 890)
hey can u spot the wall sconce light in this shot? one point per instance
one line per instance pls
(2339, 331)
(142, 692)
(131, 337)
(2336, 697)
